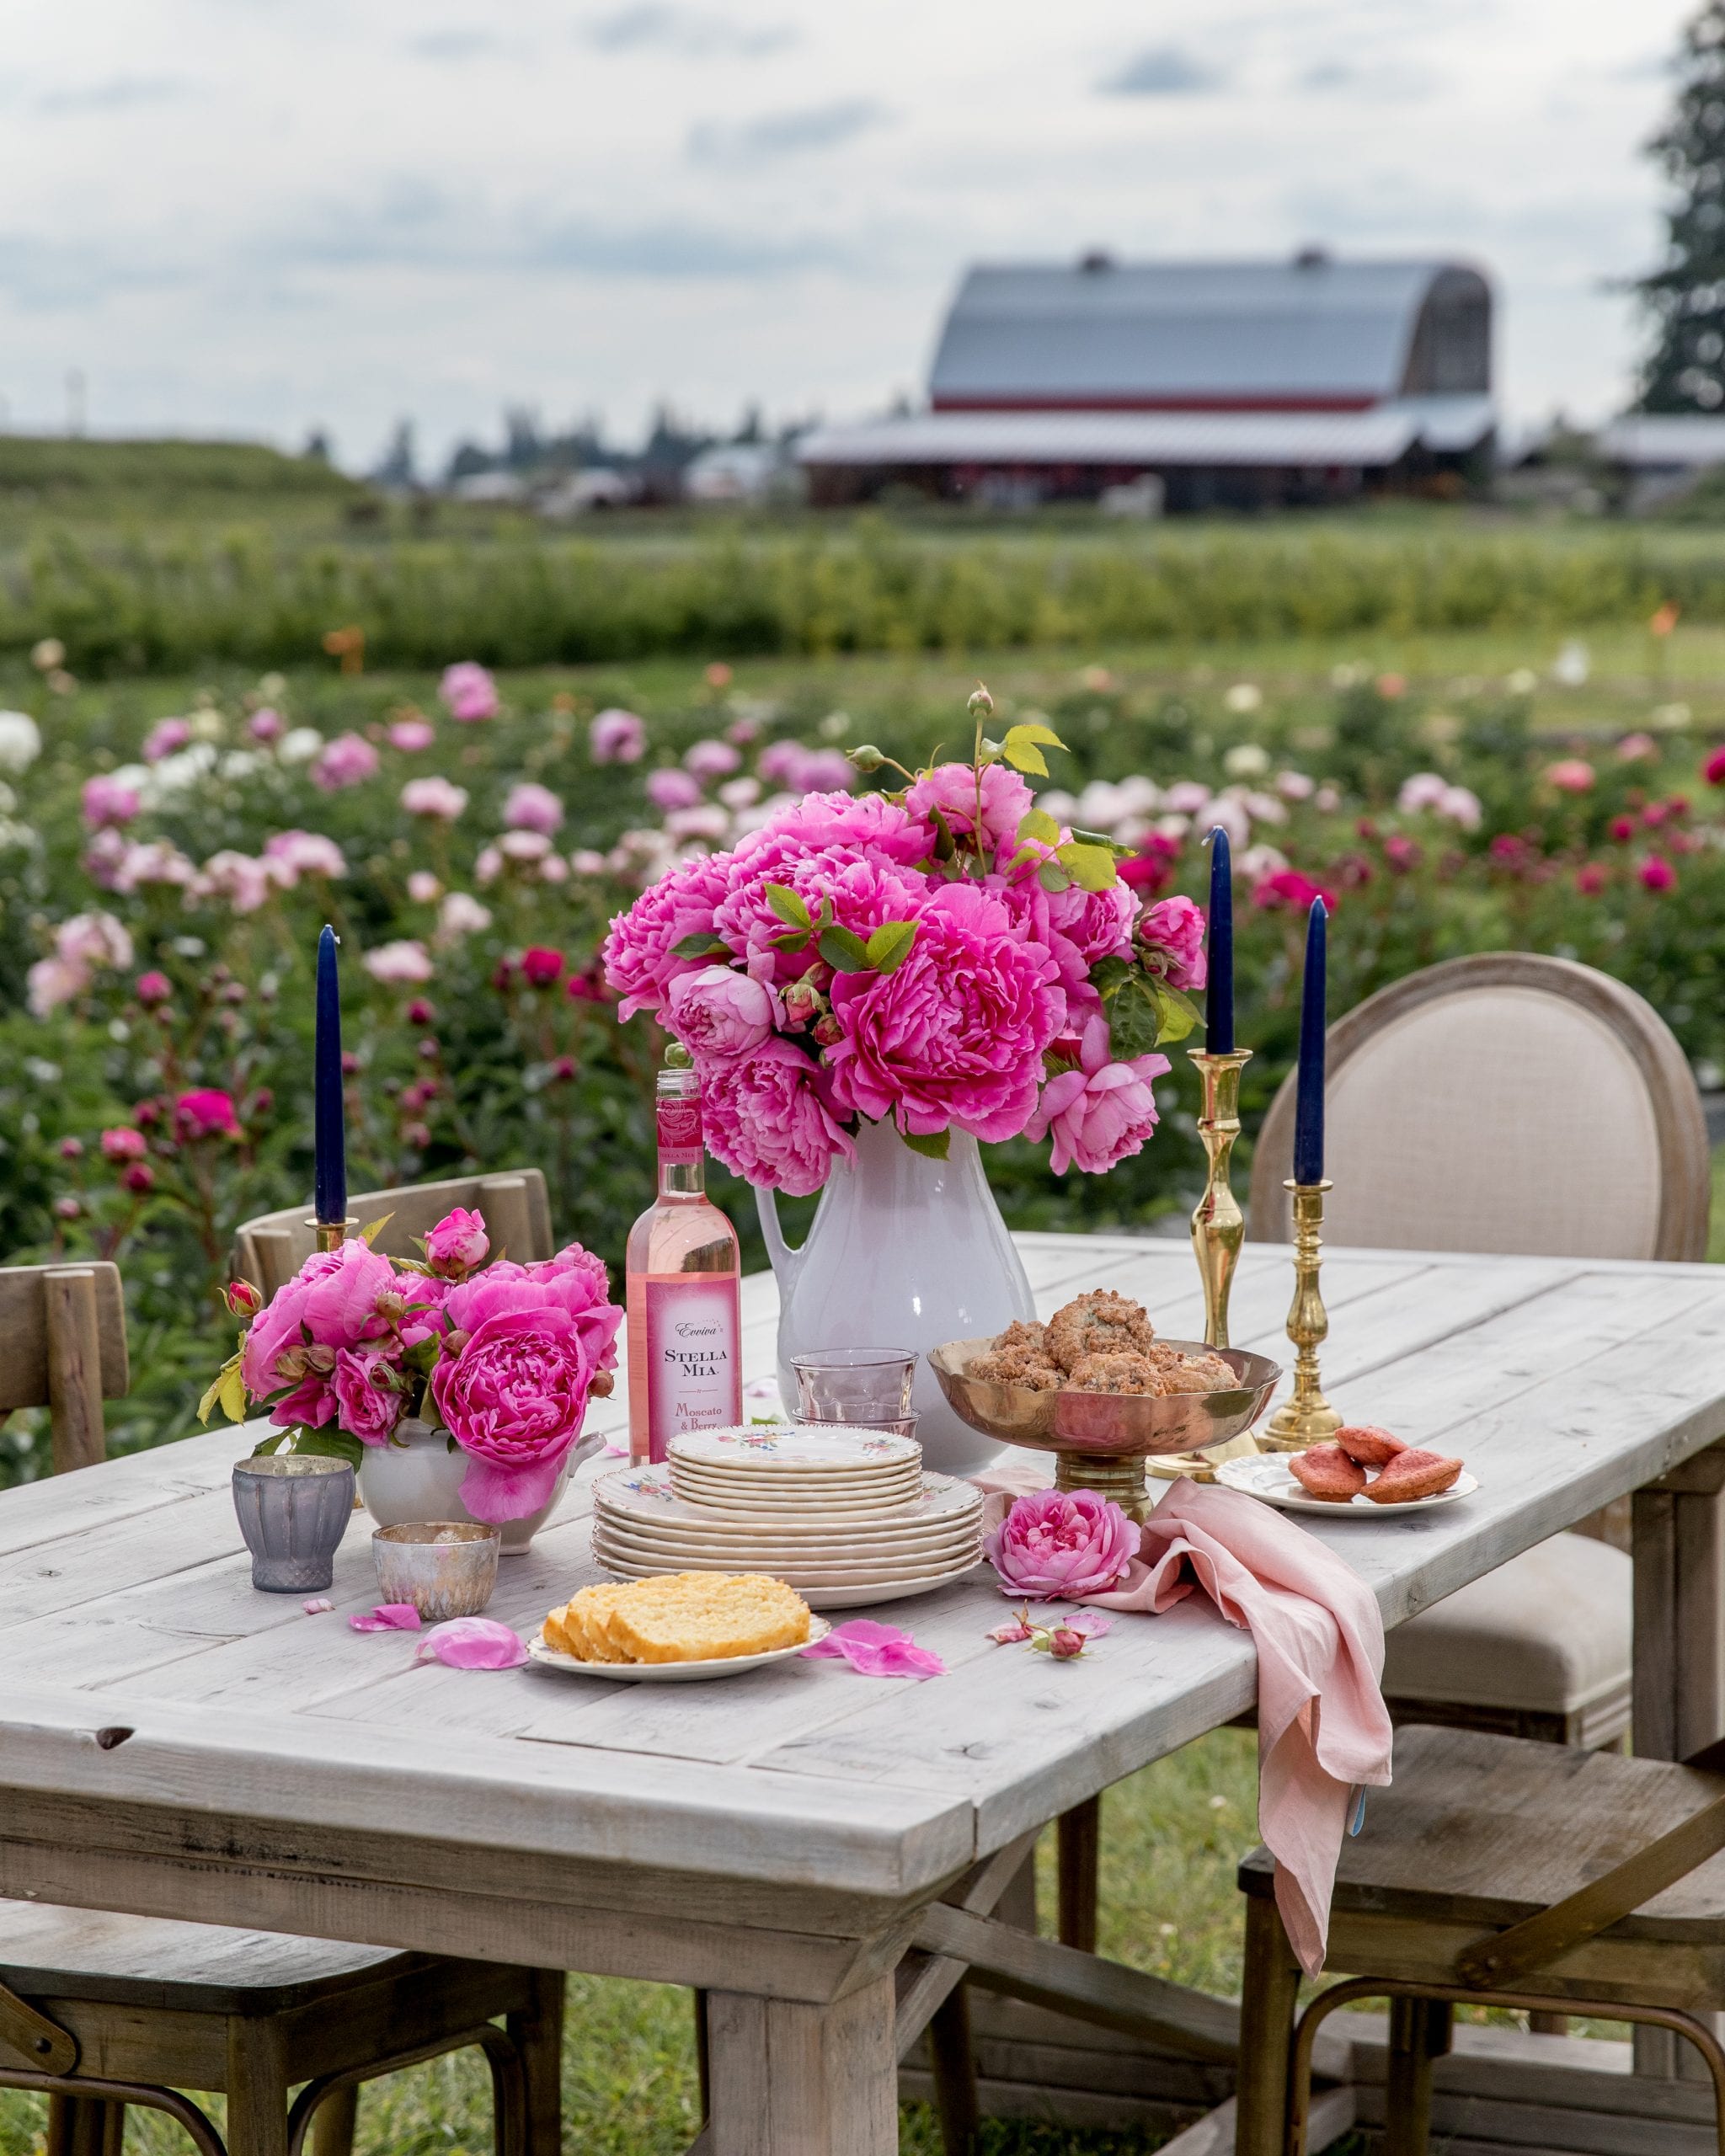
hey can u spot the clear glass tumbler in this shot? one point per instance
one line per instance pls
(867, 1387)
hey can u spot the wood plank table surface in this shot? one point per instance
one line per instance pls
(173, 1743)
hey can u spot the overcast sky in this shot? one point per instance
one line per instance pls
(255, 216)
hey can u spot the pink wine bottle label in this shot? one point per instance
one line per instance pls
(680, 1131)
(694, 1371)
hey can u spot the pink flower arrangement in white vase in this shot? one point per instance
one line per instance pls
(944, 965)
(449, 1382)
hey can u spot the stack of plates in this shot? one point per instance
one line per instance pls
(834, 1534)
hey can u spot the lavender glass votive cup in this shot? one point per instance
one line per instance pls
(866, 1387)
(293, 1510)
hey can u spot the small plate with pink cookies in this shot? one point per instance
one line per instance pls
(1364, 1472)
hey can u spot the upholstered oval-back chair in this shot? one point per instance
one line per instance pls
(516, 1213)
(1509, 1101)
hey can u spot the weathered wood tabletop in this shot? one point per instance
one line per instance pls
(173, 1743)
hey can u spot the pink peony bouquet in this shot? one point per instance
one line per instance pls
(503, 1357)
(945, 956)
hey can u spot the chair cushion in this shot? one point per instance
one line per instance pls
(1550, 1632)
(50, 1952)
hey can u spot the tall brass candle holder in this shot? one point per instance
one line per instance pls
(1305, 1417)
(330, 1235)
(1218, 1229)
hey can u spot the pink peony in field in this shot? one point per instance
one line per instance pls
(671, 789)
(616, 737)
(1101, 1113)
(711, 759)
(108, 803)
(123, 1143)
(468, 692)
(411, 734)
(403, 963)
(349, 759)
(166, 738)
(266, 725)
(765, 1116)
(206, 1111)
(1059, 1545)
(436, 796)
(246, 883)
(305, 853)
(533, 807)
(956, 1034)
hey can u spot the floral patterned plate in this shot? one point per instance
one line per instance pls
(766, 1449)
(645, 1493)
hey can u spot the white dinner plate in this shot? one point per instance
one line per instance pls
(766, 1447)
(672, 1672)
(877, 1505)
(865, 1536)
(645, 1493)
(842, 1548)
(1267, 1477)
(794, 1489)
(798, 1575)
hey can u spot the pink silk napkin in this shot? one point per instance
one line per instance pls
(1322, 1728)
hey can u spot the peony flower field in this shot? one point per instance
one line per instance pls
(168, 855)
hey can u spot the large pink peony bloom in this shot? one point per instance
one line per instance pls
(514, 1393)
(956, 1034)
(718, 1013)
(1062, 1544)
(868, 822)
(333, 1297)
(1102, 1111)
(1172, 934)
(952, 788)
(640, 960)
(864, 891)
(765, 1117)
(1097, 924)
(370, 1406)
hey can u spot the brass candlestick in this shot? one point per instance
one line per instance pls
(1305, 1417)
(1218, 1224)
(330, 1235)
(1218, 1229)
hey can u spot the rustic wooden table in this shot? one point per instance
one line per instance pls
(817, 1851)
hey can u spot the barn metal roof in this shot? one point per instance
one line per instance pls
(1311, 329)
(1367, 439)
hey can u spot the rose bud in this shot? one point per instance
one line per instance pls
(802, 1002)
(868, 758)
(1066, 1645)
(829, 1032)
(319, 1360)
(243, 1299)
(139, 1177)
(603, 1385)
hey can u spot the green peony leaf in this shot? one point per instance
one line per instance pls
(844, 951)
(889, 946)
(1023, 746)
(1039, 825)
(788, 906)
(1053, 877)
(945, 845)
(933, 1145)
(701, 946)
(1090, 868)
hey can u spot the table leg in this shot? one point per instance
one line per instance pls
(794, 2079)
(1679, 1547)
(955, 2094)
(1078, 1837)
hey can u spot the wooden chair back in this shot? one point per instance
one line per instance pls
(1505, 1101)
(64, 1326)
(516, 1209)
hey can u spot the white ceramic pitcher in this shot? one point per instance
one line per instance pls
(904, 1252)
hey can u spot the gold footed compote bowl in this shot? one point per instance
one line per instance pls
(1101, 1440)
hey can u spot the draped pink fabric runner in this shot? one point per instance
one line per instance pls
(1322, 1728)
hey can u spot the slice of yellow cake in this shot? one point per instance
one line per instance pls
(707, 1616)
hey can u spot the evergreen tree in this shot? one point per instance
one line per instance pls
(1686, 372)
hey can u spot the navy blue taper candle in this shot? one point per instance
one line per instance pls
(1219, 993)
(329, 1138)
(1309, 1099)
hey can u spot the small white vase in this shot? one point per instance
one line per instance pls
(418, 1476)
(904, 1252)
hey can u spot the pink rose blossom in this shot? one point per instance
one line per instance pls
(349, 759)
(1062, 1544)
(671, 788)
(405, 963)
(952, 788)
(165, 738)
(206, 1113)
(108, 803)
(1171, 934)
(640, 951)
(719, 1014)
(616, 737)
(266, 725)
(765, 1116)
(369, 1405)
(305, 853)
(458, 1243)
(412, 734)
(1656, 874)
(532, 808)
(1572, 775)
(711, 759)
(436, 796)
(468, 692)
(956, 1034)
(1101, 1113)
(123, 1143)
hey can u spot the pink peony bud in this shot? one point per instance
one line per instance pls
(458, 1244)
(121, 1144)
(139, 1177)
(153, 988)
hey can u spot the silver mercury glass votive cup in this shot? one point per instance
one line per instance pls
(293, 1511)
(445, 1567)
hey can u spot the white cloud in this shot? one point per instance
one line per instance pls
(359, 208)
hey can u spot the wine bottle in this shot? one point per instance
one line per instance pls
(683, 1272)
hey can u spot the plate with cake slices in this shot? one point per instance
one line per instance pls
(675, 1628)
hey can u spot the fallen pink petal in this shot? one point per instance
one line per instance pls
(473, 1643)
(388, 1617)
(1017, 1627)
(874, 1650)
(316, 1605)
